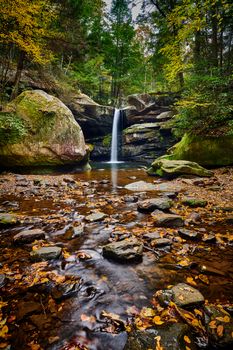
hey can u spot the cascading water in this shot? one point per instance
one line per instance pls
(115, 130)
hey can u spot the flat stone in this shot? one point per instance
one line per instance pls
(210, 238)
(8, 219)
(188, 234)
(74, 232)
(140, 186)
(161, 242)
(171, 338)
(128, 249)
(46, 253)
(167, 220)
(28, 236)
(194, 202)
(97, 216)
(2, 280)
(152, 235)
(186, 296)
(65, 290)
(149, 205)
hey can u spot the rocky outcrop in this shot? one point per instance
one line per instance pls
(147, 141)
(172, 168)
(50, 135)
(205, 150)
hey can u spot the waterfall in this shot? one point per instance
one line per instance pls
(115, 130)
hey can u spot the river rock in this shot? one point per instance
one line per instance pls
(2, 280)
(171, 338)
(51, 135)
(128, 249)
(65, 290)
(97, 216)
(149, 205)
(186, 296)
(28, 236)
(152, 235)
(8, 219)
(27, 308)
(172, 168)
(167, 220)
(140, 186)
(213, 313)
(194, 202)
(46, 253)
(189, 234)
(161, 242)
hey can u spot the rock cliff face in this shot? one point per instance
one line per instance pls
(50, 136)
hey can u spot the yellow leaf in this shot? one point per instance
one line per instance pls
(157, 320)
(198, 312)
(3, 332)
(220, 330)
(187, 340)
(204, 279)
(147, 312)
(158, 345)
(191, 281)
(225, 319)
(195, 322)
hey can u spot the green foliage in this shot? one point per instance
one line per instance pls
(12, 128)
(206, 105)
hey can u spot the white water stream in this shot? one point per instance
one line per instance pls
(115, 130)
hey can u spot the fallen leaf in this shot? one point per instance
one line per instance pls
(157, 320)
(212, 324)
(187, 340)
(191, 281)
(225, 319)
(220, 330)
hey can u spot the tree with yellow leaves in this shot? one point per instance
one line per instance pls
(26, 25)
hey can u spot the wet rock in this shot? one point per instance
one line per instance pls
(209, 238)
(128, 249)
(130, 199)
(152, 235)
(41, 321)
(149, 205)
(65, 290)
(167, 220)
(74, 232)
(193, 218)
(161, 242)
(164, 296)
(186, 296)
(140, 186)
(2, 280)
(171, 338)
(13, 205)
(46, 253)
(27, 308)
(8, 219)
(171, 195)
(194, 202)
(188, 234)
(97, 216)
(213, 313)
(28, 236)
(229, 220)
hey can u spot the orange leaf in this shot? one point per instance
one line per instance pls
(157, 320)
(220, 330)
(187, 340)
(191, 281)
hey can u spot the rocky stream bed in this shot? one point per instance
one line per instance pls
(115, 259)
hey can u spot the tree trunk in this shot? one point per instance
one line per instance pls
(18, 74)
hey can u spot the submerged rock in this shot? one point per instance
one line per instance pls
(140, 186)
(171, 338)
(28, 236)
(50, 135)
(128, 249)
(149, 205)
(172, 168)
(2, 280)
(46, 253)
(65, 290)
(167, 220)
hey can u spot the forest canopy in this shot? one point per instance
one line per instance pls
(109, 49)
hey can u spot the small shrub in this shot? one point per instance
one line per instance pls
(12, 128)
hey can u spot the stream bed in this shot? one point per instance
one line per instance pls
(81, 299)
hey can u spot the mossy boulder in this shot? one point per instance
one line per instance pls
(50, 135)
(172, 168)
(205, 150)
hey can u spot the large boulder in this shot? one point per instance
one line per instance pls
(49, 133)
(171, 168)
(205, 150)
